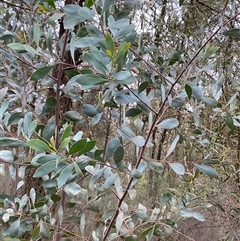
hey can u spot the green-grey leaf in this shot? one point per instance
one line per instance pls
(91, 110)
(36, 34)
(143, 86)
(72, 9)
(46, 168)
(48, 131)
(198, 216)
(72, 115)
(118, 154)
(14, 228)
(77, 146)
(136, 173)
(11, 142)
(166, 198)
(70, 21)
(49, 105)
(210, 100)
(168, 123)
(86, 42)
(210, 50)
(96, 176)
(7, 155)
(3, 93)
(64, 175)
(90, 79)
(111, 147)
(44, 231)
(119, 24)
(107, 215)
(173, 145)
(156, 166)
(49, 40)
(64, 143)
(124, 31)
(40, 73)
(72, 189)
(39, 145)
(211, 161)
(133, 112)
(138, 140)
(88, 147)
(67, 132)
(86, 13)
(131, 238)
(142, 166)
(96, 119)
(146, 232)
(16, 46)
(188, 90)
(109, 43)
(122, 51)
(142, 215)
(235, 32)
(106, 5)
(177, 168)
(110, 180)
(186, 213)
(126, 133)
(206, 170)
(229, 121)
(30, 49)
(124, 77)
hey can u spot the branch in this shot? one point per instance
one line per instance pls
(25, 62)
(57, 115)
(14, 163)
(149, 107)
(15, 6)
(160, 114)
(58, 89)
(150, 66)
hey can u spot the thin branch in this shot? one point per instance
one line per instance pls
(11, 163)
(160, 114)
(25, 62)
(15, 6)
(57, 114)
(149, 107)
(58, 89)
(150, 66)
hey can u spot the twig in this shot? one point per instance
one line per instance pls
(14, 163)
(28, 64)
(16, 6)
(150, 66)
(149, 107)
(57, 116)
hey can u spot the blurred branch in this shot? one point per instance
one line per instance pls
(15, 6)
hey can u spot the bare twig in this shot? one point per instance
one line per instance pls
(57, 114)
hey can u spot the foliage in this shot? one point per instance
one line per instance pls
(148, 100)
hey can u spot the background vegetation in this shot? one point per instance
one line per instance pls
(119, 120)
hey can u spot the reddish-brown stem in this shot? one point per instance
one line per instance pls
(159, 115)
(58, 90)
(150, 66)
(57, 113)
